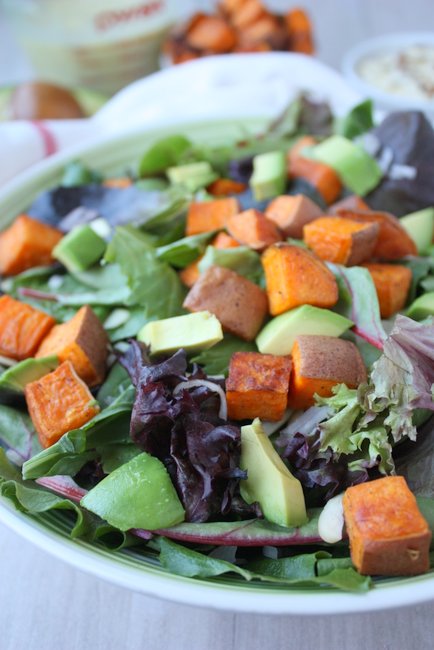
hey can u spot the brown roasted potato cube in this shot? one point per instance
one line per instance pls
(257, 386)
(319, 363)
(240, 305)
(22, 328)
(83, 341)
(388, 534)
(291, 213)
(59, 402)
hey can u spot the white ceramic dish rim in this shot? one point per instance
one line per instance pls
(185, 590)
(388, 42)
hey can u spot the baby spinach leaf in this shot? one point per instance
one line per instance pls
(163, 154)
(76, 173)
(357, 121)
(241, 259)
(215, 361)
(180, 253)
(17, 434)
(153, 284)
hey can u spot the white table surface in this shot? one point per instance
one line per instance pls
(46, 605)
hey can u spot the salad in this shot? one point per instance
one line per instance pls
(224, 355)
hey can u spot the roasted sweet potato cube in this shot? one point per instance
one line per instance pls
(225, 187)
(248, 13)
(393, 241)
(300, 31)
(83, 341)
(341, 241)
(322, 177)
(59, 402)
(291, 213)
(257, 386)
(223, 240)
(392, 282)
(120, 182)
(252, 228)
(213, 34)
(22, 328)
(351, 202)
(294, 276)
(190, 274)
(206, 216)
(388, 534)
(240, 305)
(318, 364)
(25, 244)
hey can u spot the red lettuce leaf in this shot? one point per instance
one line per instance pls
(200, 451)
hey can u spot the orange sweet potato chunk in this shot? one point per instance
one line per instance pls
(351, 202)
(213, 34)
(190, 274)
(292, 213)
(393, 242)
(206, 216)
(318, 364)
(224, 241)
(22, 328)
(322, 177)
(25, 244)
(59, 402)
(225, 187)
(388, 534)
(392, 282)
(341, 241)
(120, 183)
(294, 276)
(252, 228)
(300, 31)
(240, 305)
(82, 341)
(257, 386)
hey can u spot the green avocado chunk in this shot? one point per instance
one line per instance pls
(269, 175)
(422, 307)
(420, 226)
(80, 249)
(278, 336)
(269, 481)
(357, 170)
(193, 176)
(138, 494)
(193, 332)
(17, 377)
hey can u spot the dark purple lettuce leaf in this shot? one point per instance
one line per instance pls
(410, 138)
(200, 451)
(325, 472)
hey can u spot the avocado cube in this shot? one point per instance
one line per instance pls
(420, 226)
(278, 336)
(269, 176)
(193, 332)
(80, 249)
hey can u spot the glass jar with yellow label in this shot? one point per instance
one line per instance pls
(98, 44)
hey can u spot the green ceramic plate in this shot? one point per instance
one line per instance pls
(137, 568)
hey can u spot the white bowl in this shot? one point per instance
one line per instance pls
(386, 44)
(131, 568)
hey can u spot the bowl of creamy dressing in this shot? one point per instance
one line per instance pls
(396, 71)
